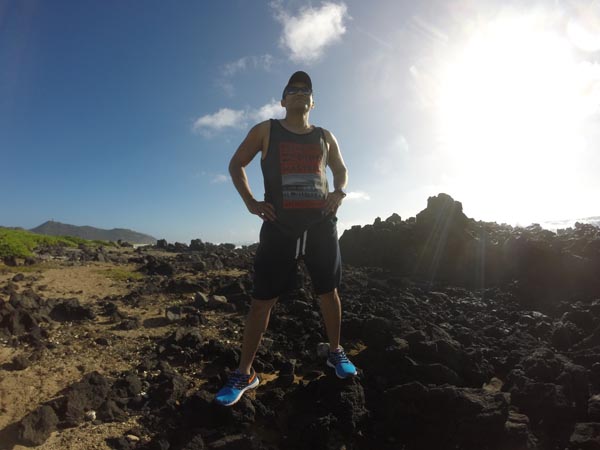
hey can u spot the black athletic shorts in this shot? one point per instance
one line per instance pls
(276, 259)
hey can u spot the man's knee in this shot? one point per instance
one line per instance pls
(262, 306)
(329, 295)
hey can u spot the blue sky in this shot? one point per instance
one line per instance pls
(126, 113)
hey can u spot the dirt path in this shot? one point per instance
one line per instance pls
(75, 350)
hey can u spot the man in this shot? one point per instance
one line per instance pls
(298, 222)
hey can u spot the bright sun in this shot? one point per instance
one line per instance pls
(511, 106)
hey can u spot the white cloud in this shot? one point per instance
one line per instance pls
(219, 178)
(223, 118)
(256, 62)
(232, 68)
(270, 110)
(212, 177)
(237, 118)
(358, 195)
(307, 34)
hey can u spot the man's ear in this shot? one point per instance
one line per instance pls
(312, 106)
(282, 103)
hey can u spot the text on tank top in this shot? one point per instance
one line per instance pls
(295, 178)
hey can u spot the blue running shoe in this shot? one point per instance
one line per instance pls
(338, 360)
(236, 385)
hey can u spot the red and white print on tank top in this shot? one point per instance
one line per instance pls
(302, 182)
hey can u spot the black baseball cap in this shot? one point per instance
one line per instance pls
(298, 77)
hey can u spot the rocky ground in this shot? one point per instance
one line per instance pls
(124, 348)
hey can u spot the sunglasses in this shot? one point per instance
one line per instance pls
(297, 90)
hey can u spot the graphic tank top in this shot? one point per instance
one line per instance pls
(294, 172)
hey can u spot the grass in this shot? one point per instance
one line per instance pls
(117, 274)
(22, 243)
(29, 269)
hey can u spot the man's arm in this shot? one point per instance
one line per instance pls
(252, 144)
(339, 171)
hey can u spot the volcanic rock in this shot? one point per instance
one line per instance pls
(110, 411)
(445, 416)
(129, 323)
(286, 374)
(20, 362)
(156, 266)
(540, 401)
(88, 394)
(168, 389)
(182, 346)
(586, 436)
(71, 310)
(188, 284)
(18, 277)
(443, 245)
(37, 426)
(325, 411)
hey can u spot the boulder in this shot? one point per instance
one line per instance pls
(445, 416)
(37, 426)
(586, 436)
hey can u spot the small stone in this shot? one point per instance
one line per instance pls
(201, 300)
(216, 301)
(286, 374)
(18, 277)
(20, 362)
(173, 313)
(132, 438)
(90, 415)
(323, 349)
(494, 385)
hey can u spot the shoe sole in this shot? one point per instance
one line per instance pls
(337, 375)
(237, 399)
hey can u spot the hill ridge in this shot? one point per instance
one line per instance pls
(54, 228)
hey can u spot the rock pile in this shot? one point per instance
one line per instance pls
(24, 316)
(442, 245)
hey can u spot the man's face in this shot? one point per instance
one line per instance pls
(298, 96)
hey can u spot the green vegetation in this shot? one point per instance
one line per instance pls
(117, 274)
(29, 269)
(21, 243)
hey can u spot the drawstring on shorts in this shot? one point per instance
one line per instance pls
(301, 242)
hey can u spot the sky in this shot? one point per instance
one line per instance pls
(125, 114)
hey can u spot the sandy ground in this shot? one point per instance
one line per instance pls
(76, 352)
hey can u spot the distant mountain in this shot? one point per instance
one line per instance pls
(52, 228)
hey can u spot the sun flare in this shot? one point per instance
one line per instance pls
(512, 103)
